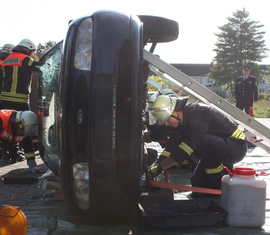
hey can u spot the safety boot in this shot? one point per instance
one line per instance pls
(33, 165)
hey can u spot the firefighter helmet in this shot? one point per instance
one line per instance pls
(29, 121)
(180, 103)
(162, 108)
(153, 97)
(165, 105)
(28, 44)
(7, 48)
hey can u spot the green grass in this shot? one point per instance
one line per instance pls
(261, 109)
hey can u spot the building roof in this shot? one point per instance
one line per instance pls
(200, 70)
(193, 70)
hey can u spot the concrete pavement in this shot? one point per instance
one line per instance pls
(48, 216)
(17, 183)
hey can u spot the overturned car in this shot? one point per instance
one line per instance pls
(92, 94)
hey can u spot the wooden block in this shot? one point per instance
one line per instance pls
(19, 180)
(51, 185)
(58, 196)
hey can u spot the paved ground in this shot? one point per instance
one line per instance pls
(48, 216)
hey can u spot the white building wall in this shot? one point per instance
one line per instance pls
(262, 85)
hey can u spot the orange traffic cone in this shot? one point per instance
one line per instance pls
(250, 113)
(12, 221)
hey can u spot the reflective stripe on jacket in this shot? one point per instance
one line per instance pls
(198, 122)
(17, 73)
(7, 131)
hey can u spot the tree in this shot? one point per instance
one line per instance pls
(239, 42)
(164, 82)
(42, 49)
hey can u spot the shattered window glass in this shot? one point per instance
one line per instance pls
(83, 48)
(49, 80)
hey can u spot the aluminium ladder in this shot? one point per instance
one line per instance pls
(252, 128)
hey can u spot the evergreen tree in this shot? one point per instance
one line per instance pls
(239, 42)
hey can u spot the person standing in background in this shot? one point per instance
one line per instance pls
(246, 91)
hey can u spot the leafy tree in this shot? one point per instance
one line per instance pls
(164, 82)
(42, 49)
(266, 75)
(170, 86)
(239, 42)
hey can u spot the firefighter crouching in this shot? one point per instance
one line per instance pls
(17, 127)
(201, 130)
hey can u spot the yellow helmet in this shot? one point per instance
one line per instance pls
(153, 97)
(162, 108)
(165, 105)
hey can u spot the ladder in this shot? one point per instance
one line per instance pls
(256, 133)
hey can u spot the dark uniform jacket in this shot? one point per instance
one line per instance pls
(3, 56)
(199, 120)
(246, 90)
(17, 74)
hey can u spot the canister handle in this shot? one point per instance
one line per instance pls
(228, 170)
(262, 173)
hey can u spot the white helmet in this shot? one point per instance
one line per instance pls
(7, 48)
(29, 121)
(165, 105)
(28, 44)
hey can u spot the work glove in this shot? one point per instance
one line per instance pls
(40, 63)
(155, 171)
(146, 137)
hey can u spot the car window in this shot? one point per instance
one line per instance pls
(48, 88)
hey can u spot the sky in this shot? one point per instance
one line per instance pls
(46, 20)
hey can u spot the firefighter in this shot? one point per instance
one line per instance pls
(6, 51)
(209, 134)
(17, 74)
(246, 90)
(17, 127)
(161, 133)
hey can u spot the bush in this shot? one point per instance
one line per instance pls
(231, 99)
(262, 96)
(267, 98)
(219, 91)
(261, 109)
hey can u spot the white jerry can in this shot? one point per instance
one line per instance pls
(244, 198)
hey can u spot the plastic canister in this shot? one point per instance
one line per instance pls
(244, 198)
